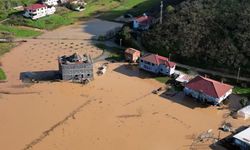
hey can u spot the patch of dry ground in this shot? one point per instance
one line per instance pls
(115, 111)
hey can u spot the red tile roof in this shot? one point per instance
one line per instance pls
(208, 86)
(132, 51)
(35, 6)
(157, 59)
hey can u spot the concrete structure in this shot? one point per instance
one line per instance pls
(244, 112)
(142, 22)
(50, 2)
(75, 67)
(184, 78)
(207, 90)
(132, 55)
(37, 11)
(242, 139)
(157, 64)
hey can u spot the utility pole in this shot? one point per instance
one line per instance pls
(161, 13)
(121, 42)
(238, 75)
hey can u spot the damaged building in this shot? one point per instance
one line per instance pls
(76, 67)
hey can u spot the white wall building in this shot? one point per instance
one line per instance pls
(207, 90)
(37, 11)
(50, 2)
(157, 64)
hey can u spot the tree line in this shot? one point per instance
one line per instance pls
(208, 33)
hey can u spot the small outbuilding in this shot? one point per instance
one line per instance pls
(183, 78)
(207, 90)
(244, 112)
(132, 55)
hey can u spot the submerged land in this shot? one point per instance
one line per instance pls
(115, 111)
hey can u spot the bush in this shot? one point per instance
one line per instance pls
(2, 74)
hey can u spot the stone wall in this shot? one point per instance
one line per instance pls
(70, 71)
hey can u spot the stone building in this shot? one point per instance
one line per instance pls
(76, 68)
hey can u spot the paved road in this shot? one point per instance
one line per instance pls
(213, 72)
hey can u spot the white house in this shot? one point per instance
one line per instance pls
(242, 139)
(37, 11)
(50, 2)
(157, 64)
(207, 90)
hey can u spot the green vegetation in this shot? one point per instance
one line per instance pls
(2, 74)
(6, 6)
(205, 33)
(18, 32)
(163, 79)
(134, 7)
(50, 22)
(5, 47)
(109, 9)
(242, 91)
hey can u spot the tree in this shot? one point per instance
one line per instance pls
(207, 32)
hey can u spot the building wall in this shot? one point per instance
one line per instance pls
(41, 12)
(203, 97)
(70, 71)
(242, 145)
(51, 2)
(166, 70)
(148, 66)
(163, 69)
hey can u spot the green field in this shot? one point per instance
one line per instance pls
(162, 79)
(107, 9)
(242, 91)
(5, 47)
(18, 32)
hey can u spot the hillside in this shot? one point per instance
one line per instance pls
(205, 33)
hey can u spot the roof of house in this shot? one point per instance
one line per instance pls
(132, 51)
(157, 59)
(144, 19)
(244, 136)
(208, 86)
(35, 6)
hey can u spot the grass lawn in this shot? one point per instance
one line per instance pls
(163, 79)
(242, 91)
(5, 47)
(2, 74)
(134, 7)
(18, 32)
(50, 22)
(109, 10)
